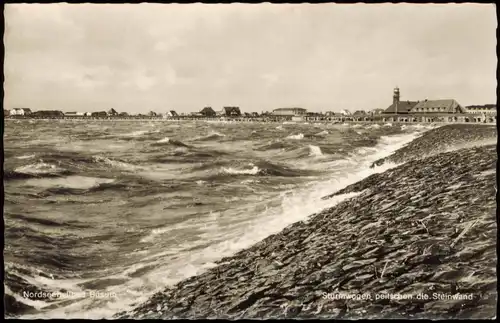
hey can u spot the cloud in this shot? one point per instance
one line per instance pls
(260, 57)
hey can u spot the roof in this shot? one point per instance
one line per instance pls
(207, 109)
(360, 112)
(449, 105)
(49, 112)
(231, 110)
(403, 107)
(286, 109)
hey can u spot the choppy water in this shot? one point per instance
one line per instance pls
(127, 208)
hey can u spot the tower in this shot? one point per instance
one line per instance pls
(395, 99)
(395, 96)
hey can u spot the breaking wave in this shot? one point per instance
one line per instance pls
(315, 151)
(168, 141)
(322, 133)
(40, 169)
(26, 156)
(114, 163)
(211, 136)
(299, 136)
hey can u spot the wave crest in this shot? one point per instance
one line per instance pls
(167, 141)
(211, 136)
(315, 151)
(299, 136)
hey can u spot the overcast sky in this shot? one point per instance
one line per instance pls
(143, 57)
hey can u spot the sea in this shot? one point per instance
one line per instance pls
(100, 215)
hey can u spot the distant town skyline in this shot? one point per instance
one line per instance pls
(323, 57)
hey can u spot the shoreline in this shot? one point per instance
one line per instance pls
(367, 245)
(258, 121)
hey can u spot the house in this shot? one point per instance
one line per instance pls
(360, 115)
(337, 116)
(20, 112)
(112, 112)
(87, 114)
(255, 114)
(152, 114)
(426, 106)
(376, 111)
(99, 114)
(231, 111)
(310, 116)
(208, 112)
(438, 106)
(402, 107)
(72, 114)
(50, 114)
(398, 106)
(289, 112)
(484, 109)
(171, 114)
(123, 114)
(345, 112)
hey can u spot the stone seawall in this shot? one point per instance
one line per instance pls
(443, 139)
(418, 241)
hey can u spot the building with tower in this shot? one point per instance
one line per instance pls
(398, 106)
(445, 106)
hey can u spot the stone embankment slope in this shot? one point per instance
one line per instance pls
(426, 228)
(443, 139)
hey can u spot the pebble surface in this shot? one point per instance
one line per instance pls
(426, 228)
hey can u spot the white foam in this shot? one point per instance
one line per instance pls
(39, 168)
(155, 232)
(322, 133)
(164, 140)
(114, 163)
(253, 171)
(76, 182)
(137, 133)
(26, 156)
(299, 136)
(213, 134)
(315, 151)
